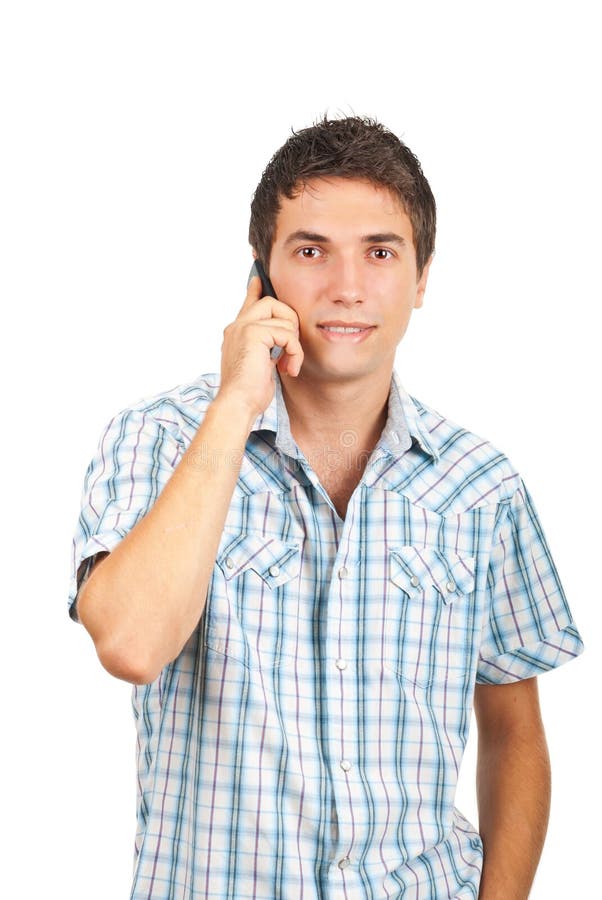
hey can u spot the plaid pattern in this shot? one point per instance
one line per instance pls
(307, 740)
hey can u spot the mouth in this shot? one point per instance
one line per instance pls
(349, 333)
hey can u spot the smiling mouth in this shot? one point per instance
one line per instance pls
(345, 329)
(346, 334)
(339, 329)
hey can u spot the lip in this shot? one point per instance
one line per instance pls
(340, 324)
(354, 338)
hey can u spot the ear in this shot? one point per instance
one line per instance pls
(254, 253)
(421, 286)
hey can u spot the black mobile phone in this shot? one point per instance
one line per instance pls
(267, 290)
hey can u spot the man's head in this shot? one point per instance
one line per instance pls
(354, 148)
(344, 222)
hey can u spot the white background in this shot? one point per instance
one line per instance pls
(134, 135)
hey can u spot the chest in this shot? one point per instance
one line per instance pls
(339, 481)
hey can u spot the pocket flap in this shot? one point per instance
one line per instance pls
(273, 560)
(414, 568)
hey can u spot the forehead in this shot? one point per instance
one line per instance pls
(341, 203)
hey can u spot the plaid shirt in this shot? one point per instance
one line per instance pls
(307, 740)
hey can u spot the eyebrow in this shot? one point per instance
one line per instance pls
(381, 237)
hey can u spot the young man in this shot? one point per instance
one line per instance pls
(310, 577)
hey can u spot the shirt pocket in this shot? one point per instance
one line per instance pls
(252, 603)
(429, 614)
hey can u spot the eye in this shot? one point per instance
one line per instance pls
(302, 251)
(383, 250)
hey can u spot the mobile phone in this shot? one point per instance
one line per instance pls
(267, 290)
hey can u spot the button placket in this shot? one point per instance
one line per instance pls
(344, 572)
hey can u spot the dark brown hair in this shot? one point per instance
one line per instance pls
(350, 147)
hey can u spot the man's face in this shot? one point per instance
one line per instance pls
(343, 251)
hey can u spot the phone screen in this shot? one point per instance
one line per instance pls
(267, 290)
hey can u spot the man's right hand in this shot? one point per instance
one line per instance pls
(246, 367)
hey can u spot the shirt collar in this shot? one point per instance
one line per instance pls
(404, 422)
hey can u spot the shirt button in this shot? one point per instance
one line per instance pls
(274, 570)
(345, 765)
(341, 663)
(343, 572)
(229, 562)
(343, 863)
(450, 586)
(414, 581)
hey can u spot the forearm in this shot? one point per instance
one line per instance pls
(513, 796)
(144, 599)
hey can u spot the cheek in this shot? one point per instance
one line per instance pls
(400, 321)
(297, 303)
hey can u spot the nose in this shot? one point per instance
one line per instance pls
(346, 284)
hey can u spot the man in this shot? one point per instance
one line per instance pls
(310, 577)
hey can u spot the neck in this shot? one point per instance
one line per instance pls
(353, 411)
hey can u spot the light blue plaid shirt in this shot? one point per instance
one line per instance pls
(307, 740)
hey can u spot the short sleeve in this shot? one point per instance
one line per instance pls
(529, 628)
(135, 458)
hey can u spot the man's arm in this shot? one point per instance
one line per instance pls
(513, 787)
(143, 601)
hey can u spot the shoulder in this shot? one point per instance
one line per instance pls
(477, 470)
(177, 411)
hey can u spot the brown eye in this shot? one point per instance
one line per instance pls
(382, 250)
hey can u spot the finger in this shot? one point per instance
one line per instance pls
(291, 355)
(278, 322)
(281, 310)
(282, 336)
(275, 332)
(254, 292)
(270, 310)
(272, 305)
(289, 365)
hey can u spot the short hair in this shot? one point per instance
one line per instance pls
(350, 147)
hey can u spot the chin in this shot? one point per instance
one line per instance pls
(344, 371)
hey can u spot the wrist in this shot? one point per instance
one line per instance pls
(236, 408)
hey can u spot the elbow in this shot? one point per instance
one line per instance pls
(124, 655)
(125, 665)
(119, 656)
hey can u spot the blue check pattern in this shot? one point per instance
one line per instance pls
(306, 742)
